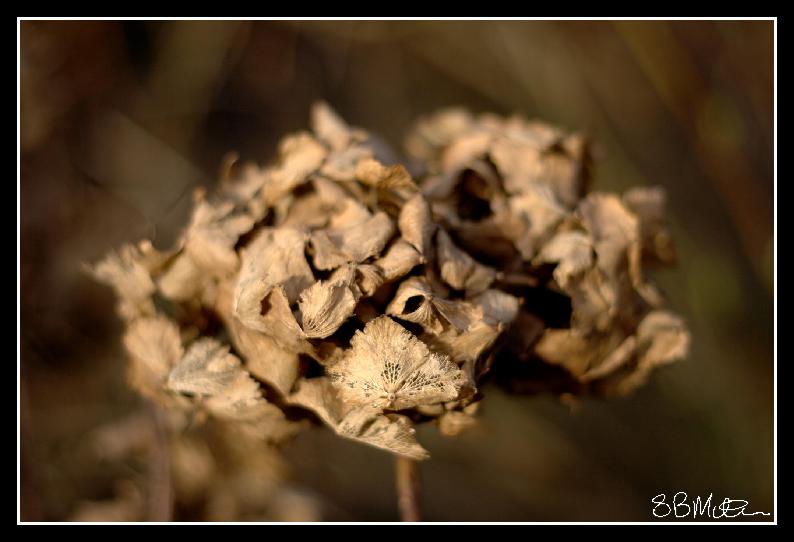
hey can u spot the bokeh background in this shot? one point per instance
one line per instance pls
(121, 120)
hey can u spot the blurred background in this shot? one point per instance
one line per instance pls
(121, 120)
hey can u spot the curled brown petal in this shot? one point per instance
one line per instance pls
(326, 305)
(416, 224)
(460, 270)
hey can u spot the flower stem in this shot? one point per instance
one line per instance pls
(161, 493)
(408, 487)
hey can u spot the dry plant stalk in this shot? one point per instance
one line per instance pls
(333, 286)
(408, 488)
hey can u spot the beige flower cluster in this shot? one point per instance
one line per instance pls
(331, 285)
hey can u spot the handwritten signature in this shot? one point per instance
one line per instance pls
(680, 507)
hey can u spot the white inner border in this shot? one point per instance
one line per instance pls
(774, 19)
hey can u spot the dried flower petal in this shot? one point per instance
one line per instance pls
(274, 258)
(341, 165)
(351, 213)
(326, 254)
(373, 173)
(616, 359)
(573, 253)
(273, 317)
(213, 231)
(420, 300)
(263, 356)
(434, 132)
(540, 212)
(455, 422)
(398, 261)
(154, 347)
(300, 156)
(320, 396)
(351, 244)
(126, 273)
(265, 359)
(244, 190)
(571, 350)
(413, 302)
(497, 306)
(558, 165)
(390, 432)
(465, 347)
(306, 212)
(369, 277)
(387, 367)
(662, 338)
(615, 233)
(466, 149)
(331, 129)
(462, 315)
(620, 363)
(241, 401)
(460, 270)
(206, 368)
(326, 305)
(416, 224)
(330, 192)
(648, 204)
(595, 301)
(494, 237)
(182, 280)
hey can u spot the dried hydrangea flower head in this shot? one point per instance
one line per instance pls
(337, 286)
